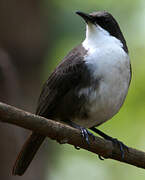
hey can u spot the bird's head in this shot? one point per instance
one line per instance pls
(102, 24)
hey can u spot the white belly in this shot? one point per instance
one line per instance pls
(109, 95)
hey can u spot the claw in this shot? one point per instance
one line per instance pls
(100, 157)
(77, 147)
(122, 146)
(85, 134)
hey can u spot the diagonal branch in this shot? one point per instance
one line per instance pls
(66, 134)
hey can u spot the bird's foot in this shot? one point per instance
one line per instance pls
(122, 146)
(85, 134)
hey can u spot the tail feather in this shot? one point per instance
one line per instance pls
(27, 153)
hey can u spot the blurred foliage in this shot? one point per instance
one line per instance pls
(129, 124)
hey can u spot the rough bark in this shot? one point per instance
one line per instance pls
(66, 134)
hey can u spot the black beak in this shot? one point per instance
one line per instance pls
(86, 17)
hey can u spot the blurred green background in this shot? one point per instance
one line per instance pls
(42, 35)
(129, 124)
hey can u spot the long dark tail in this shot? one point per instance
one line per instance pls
(27, 153)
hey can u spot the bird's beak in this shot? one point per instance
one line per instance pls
(88, 18)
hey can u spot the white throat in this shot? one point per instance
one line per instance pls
(99, 37)
(107, 62)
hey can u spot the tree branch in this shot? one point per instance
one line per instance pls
(66, 134)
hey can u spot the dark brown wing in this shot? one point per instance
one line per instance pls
(57, 91)
(66, 77)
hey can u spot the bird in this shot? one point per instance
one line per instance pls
(88, 87)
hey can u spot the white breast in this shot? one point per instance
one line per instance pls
(108, 62)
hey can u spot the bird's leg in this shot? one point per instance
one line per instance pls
(114, 140)
(84, 132)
